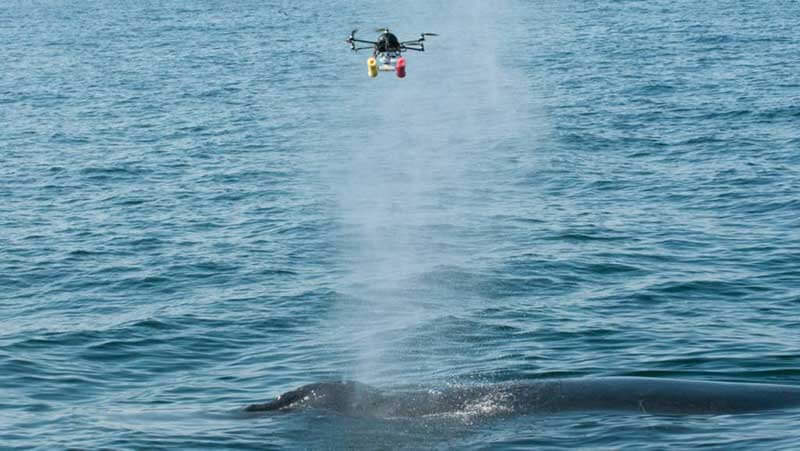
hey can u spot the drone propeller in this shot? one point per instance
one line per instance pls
(422, 36)
(351, 39)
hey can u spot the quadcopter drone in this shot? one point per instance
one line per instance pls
(387, 51)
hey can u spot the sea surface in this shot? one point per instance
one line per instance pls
(204, 204)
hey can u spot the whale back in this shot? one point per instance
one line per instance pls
(671, 396)
(627, 394)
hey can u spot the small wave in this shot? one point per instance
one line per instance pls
(713, 39)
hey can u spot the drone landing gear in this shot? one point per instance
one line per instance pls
(372, 67)
(400, 67)
(388, 65)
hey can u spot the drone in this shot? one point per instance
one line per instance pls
(387, 51)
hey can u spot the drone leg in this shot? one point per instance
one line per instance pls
(372, 67)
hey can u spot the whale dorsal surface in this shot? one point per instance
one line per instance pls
(338, 396)
(623, 394)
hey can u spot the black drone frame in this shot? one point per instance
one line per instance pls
(416, 44)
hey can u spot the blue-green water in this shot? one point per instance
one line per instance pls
(204, 204)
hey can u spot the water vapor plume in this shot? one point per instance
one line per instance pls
(419, 173)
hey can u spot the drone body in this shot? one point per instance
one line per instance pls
(387, 51)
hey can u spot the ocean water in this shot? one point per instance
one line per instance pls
(205, 204)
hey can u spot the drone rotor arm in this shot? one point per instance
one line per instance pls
(413, 45)
(419, 41)
(352, 41)
(355, 49)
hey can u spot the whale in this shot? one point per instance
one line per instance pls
(643, 395)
